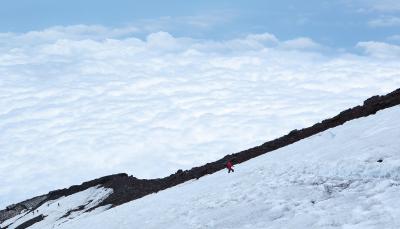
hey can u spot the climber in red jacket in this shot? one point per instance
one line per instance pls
(229, 166)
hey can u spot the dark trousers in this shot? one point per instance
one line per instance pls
(230, 170)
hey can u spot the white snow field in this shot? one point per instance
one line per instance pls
(330, 180)
(81, 102)
(63, 209)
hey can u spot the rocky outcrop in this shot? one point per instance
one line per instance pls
(127, 188)
(30, 222)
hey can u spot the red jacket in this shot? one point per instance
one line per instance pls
(229, 165)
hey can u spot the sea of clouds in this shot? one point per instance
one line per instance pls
(79, 102)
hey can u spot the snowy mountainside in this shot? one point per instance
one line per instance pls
(117, 189)
(56, 212)
(345, 177)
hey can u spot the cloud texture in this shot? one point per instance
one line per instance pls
(80, 102)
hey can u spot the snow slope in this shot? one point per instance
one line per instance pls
(63, 209)
(346, 177)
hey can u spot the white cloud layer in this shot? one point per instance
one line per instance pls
(81, 102)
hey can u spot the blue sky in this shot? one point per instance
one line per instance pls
(340, 23)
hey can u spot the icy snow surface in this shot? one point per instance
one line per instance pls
(331, 180)
(57, 212)
(81, 102)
